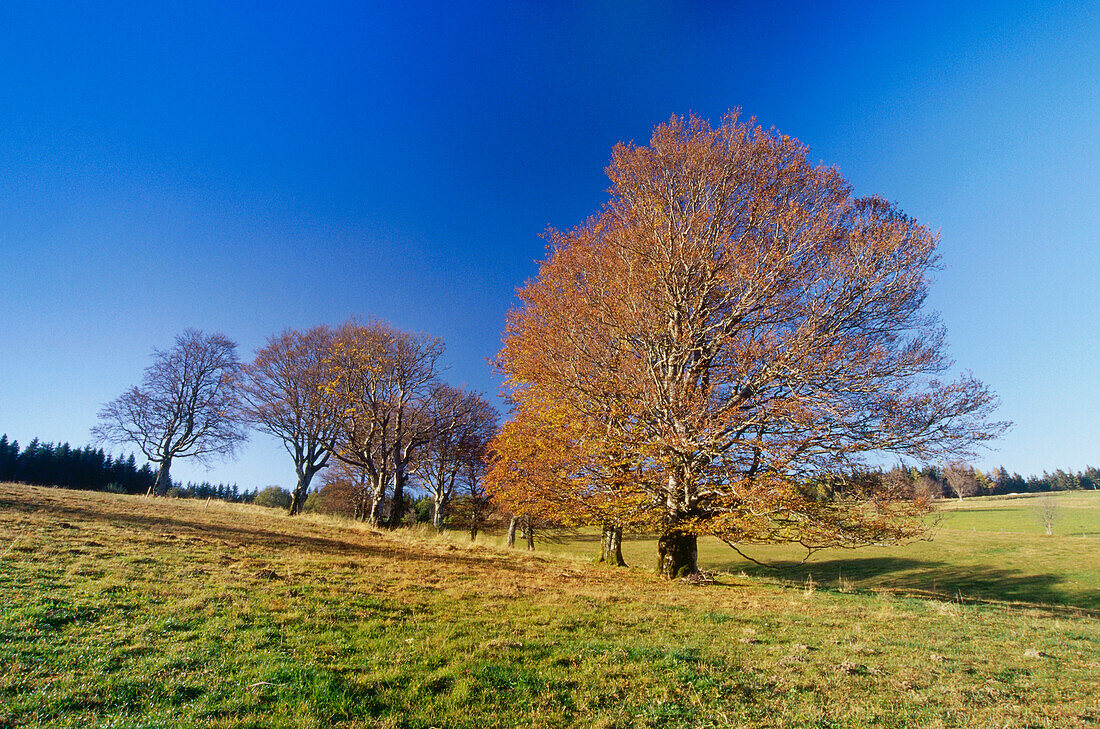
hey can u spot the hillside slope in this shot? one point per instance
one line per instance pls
(131, 612)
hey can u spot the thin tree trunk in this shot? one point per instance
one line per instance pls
(510, 540)
(677, 554)
(378, 492)
(372, 515)
(529, 531)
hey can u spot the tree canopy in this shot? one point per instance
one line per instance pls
(731, 334)
(185, 406)
(283, 394)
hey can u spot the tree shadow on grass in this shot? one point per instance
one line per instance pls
(248, 531)
(977, 583)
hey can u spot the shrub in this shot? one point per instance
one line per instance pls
(273, 496)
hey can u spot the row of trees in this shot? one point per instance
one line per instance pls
(366, 395)
(92, 469)
(87, 468)
(721, 349)
(345, 490)
(959, 479)
(220, 491)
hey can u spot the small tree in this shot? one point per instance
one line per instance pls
(345, 489)
(961, 479)
(461, 424)
(274, 497)
(186, 405)
(478, 507)
(1047, 512)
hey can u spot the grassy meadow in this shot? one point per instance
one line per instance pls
(120, 611)
(987, 549)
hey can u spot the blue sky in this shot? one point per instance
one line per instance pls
(246, 167)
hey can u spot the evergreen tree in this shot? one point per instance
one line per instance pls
(8, 456)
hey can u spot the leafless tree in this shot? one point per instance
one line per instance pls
(1047, 512)
(383, 378)
(961, 479)
(186, 405)
(461, 424)
(283, 394)
(474, 466)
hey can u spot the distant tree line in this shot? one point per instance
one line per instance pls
(92, 469)
(87, 468)
(959, 480)
(220, 491)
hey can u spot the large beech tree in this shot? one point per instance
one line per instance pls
(283, 394)
(185, 406)
(732, 331)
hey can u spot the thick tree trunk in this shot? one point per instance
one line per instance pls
(510, 540)
(437, 513)
(164, 480)
(299, 496)
(677, 554)
(611, 546)
(397, 501)
(475, 521)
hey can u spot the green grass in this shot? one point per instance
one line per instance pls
(128, 612)
(988, 549)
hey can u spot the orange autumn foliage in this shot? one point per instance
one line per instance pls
(729, 333)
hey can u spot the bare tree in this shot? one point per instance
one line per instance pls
(1047, 512)
(461, 424)
(283, 394)
(475, 463)
(382, 378)
(186, 405)
(961, 479)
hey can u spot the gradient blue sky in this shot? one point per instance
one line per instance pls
(246, 167)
